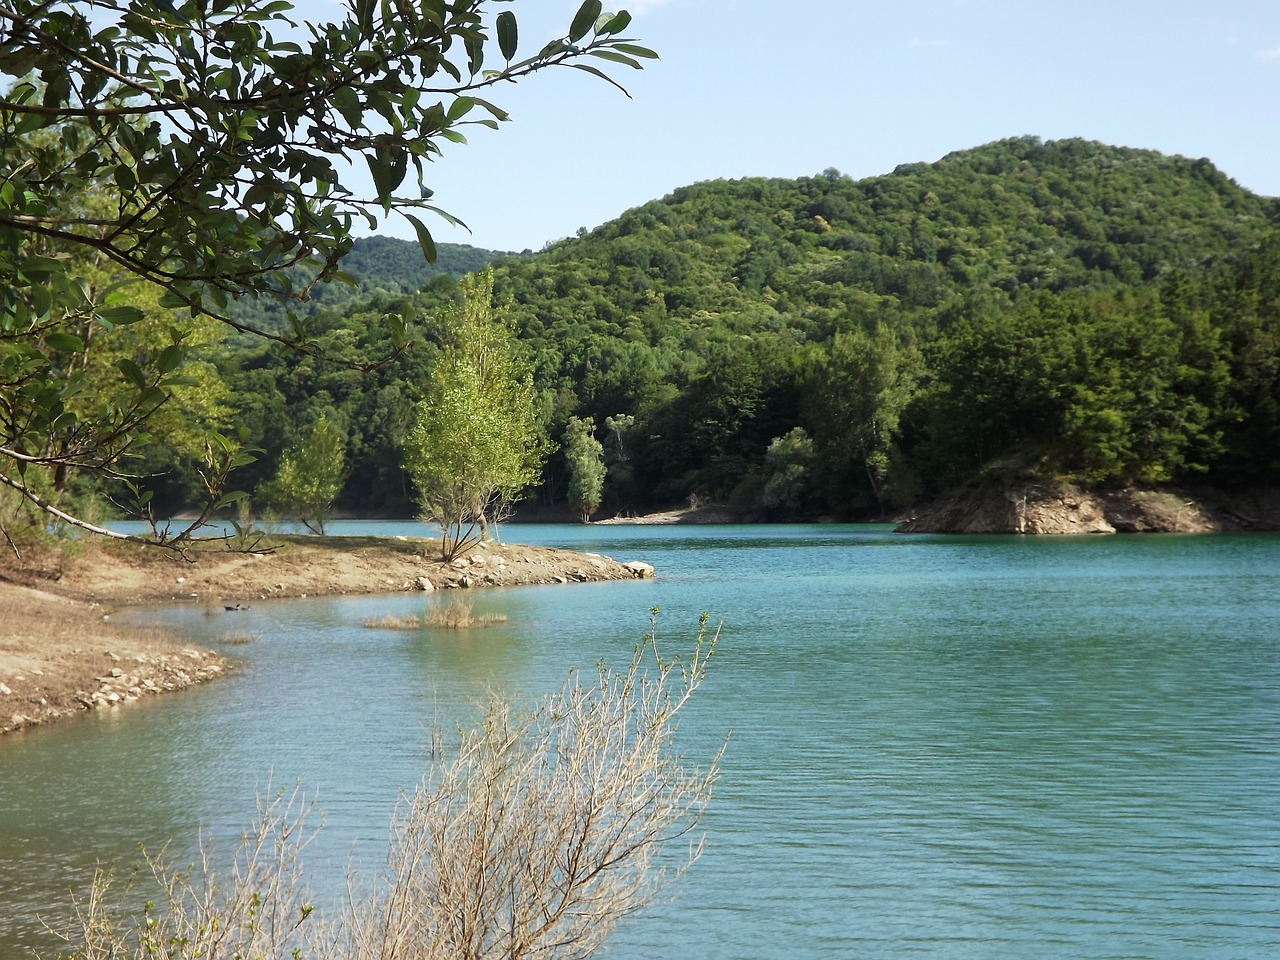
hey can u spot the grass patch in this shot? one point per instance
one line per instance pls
(453, 616)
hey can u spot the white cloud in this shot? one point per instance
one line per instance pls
(1272, 54)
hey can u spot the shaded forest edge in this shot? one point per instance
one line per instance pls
(1062, 314)
(62, 655)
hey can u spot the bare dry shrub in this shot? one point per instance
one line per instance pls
(257, 909)
(538, 833)
(239, 637)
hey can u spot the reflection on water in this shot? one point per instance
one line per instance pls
(943, 747)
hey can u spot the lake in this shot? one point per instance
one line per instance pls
(945, 747)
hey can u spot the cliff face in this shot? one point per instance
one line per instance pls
(1032, 508)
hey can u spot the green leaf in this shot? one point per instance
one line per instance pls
(459, 109)
(601, 74)
(387, 174)
(396, 330)
(635, 50)
(617, 58)
(584, 20)
(620, 22)
(497, 112)
(42, 268)
(474, 45)
(133, 372)
(425, 240)
(64, 342)
(508, 35)
(235, 496)
(347, 103)
(169, 359)
(122, 316)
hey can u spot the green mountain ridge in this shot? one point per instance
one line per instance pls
(826, 346)
(379, 266)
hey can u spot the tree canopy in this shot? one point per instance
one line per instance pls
(206, 150)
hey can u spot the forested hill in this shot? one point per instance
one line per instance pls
(826, 346)
(380, 266)
(1009, 216)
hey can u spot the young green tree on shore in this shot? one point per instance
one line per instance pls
(310, 476)
(476, 440)
(584, 455)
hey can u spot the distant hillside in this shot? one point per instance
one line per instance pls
(810, 254)
(382, 266)
(830, 347)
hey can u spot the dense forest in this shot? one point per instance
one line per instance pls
(375, 265)
(825, 347)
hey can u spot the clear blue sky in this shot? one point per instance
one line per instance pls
(788, 89)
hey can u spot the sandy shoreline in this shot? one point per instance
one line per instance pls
(60, 654)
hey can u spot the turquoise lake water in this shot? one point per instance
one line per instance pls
(950, 747)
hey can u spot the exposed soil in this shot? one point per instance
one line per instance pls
(60, 654)
(1034, 508)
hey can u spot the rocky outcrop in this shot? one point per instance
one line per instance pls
(1032, 508)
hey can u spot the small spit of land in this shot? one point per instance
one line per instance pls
(60, 654)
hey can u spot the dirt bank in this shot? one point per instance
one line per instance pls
(1033, 508)
(60, 654)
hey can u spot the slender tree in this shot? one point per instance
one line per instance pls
(310, 476)
(584, 455)
(476, 440)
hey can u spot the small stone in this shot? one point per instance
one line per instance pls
(4, 690)
(116, 672)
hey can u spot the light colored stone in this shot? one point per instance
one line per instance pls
(639, 569)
